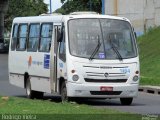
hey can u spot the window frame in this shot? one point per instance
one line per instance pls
(51, 23)
(13, 32)
(22, 49)
(38, 43)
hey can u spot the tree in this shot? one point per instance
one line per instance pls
(80, 5)
(24, 8)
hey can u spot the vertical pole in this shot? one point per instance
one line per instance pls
(1, 27)
(103, 7)
(50, 6)
(116, 7)
(90, 2)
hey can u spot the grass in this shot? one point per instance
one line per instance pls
(46, 110)
(150, 57)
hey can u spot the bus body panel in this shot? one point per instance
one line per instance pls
(92, 72)
(92, 90)
(33, 64)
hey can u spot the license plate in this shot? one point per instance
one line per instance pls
(104, 88)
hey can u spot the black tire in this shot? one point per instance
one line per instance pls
(38, 95)
(126, 101)
(32, 94)
(64, 96)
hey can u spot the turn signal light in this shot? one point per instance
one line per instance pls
(73, 71)
(137, 72)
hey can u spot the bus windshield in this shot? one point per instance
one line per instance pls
(114, 39)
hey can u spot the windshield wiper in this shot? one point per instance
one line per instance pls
(115, 49)
(96, 49)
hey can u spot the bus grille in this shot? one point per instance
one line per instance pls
(106, 80)
(105, 92)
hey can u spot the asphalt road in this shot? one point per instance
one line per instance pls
(143, 104)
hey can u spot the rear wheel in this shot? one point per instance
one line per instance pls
(32, 94)
(126, 101)
(29, 92)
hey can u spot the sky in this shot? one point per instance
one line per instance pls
(55, 4)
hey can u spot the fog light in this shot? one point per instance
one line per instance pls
(135, 78)
(75, 77)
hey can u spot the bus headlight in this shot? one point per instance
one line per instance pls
(135, 78)
(75, 77)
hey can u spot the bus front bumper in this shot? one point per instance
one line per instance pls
(95, 90)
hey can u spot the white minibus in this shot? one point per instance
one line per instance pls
(80, 55)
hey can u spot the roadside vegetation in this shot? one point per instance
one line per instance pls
(70, 6)
(21, 8)
(149, 45)
(66, 111)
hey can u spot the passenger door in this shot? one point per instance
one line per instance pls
(53, 62)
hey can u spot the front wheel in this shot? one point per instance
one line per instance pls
(126, 101)
(64, 96)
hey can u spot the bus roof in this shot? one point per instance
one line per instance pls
(96, 16)
(34, 19)
(59, 18)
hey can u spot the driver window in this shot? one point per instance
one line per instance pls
(62, 49)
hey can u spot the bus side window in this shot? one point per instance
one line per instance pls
(22, 37)
(34, 35)
(62, 49)
(14, 37)
(46, 37)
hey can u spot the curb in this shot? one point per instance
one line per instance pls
(150, 89)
